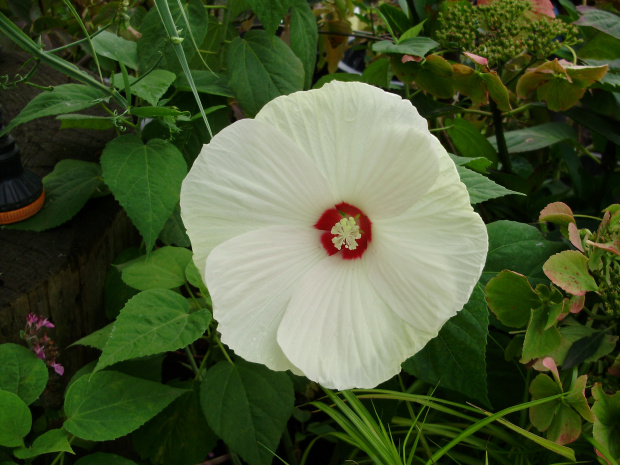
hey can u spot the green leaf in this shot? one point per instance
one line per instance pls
(469, 141)
(342, 77)
(379, 73)
(434, 75)
(479, 164)
(153, 322)
(511, 298)
(606, 429)
(469, 82)
(247, 405)
(576, 398)
(431, 108)
(174, 232)
(610, 82)
(97, 339)
(261, 68)
(54, 440)
(102, 458)
(539, 339)
(107, 405)
(569, 270)
(542, 415)
(602, 125)
(480, 187)
(22, 372)
(456, 357)
(583, 349)
(497, 90)
(537, 137)
(270, 12)
(76, 120)
(413, 31)
(155, 39)
(115, 292)
(304, 38)
(164, 268)
(151, 87)
(145, 179)
(518, 247)
(602, 20)
(206, 82)
(396, 19)
(67, 189)
(178, 435)
(15, 420)
(66, 98)
(415, 46)
(195, 279)
(116, 48)
(571, 332)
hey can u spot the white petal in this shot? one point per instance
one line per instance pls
(372, 146)
(250, 176)
(251, 278)
(426, 262)
(340, 333)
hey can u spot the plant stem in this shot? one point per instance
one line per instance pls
(502, 148)
(288, 448)
(520, 109)
(192, 362)
(219, 343)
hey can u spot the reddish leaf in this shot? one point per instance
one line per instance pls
(557, 213)
(612, 246)
(477, 59)
(569, 270)
(573, 236)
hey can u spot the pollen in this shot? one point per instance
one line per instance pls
(347, 232)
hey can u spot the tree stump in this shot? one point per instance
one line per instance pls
(59, 273)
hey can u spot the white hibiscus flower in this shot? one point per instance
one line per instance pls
(333, 233)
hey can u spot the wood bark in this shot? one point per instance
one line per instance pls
(59, 273)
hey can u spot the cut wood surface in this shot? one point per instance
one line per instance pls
(59, 273)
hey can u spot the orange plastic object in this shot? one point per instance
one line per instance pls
(21, 214)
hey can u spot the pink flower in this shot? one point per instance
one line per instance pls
(31, 318)
(58, 368)
(44, 323)
(39, 351)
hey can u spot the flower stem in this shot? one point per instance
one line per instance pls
(502, 148)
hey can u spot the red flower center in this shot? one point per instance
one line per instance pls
(347, 230)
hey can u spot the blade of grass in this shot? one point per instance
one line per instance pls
(166, 17)
(599, 447)
(87, 36)
(189, 30)
(485, 421)
(552, 446)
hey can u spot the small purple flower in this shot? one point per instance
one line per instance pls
(44, 323)
(39, 342)
(39, 351)
(58, 368)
